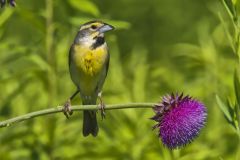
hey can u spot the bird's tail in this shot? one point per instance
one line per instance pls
(90, 125)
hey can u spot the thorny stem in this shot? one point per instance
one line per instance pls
(58, 109)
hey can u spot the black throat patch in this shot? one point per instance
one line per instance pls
(99, 41)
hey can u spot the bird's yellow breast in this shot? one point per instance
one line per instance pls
(90, 61)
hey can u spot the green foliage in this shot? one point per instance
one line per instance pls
(85, 6)
(231, 110)
(158, 47)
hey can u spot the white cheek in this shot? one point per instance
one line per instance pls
(87, 41)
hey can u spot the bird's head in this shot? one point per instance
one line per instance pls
(91, 31)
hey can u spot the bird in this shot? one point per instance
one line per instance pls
(88, 66)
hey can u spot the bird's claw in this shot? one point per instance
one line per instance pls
(102, 110)
(102, 106)
(67, 111)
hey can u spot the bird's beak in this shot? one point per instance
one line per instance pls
(106, 27)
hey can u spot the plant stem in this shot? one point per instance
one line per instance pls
(51, 59)
(52, 81)
(58, 109)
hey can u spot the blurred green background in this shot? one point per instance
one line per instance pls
(159, 47)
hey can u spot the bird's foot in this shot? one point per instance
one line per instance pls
(67, 111)
(102, 106)
(102, 109)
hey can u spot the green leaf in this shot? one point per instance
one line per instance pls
(20, 66)
(224, 108)
(33, 19)
(227, 32)
(118, 24)
(230, 108)
(4, 16)
(237, 86)
(85, 6)
(237, 116)
(232, 112)
(6, 102)
(229, 7)
(39, 61)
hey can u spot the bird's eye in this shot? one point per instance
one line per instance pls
(93, 27)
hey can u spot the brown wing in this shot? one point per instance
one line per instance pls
(71, 72)
(102, 80)
(107, 63)
(69, 55)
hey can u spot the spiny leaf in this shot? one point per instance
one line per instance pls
(224, 108)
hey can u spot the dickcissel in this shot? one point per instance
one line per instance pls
(88, 66)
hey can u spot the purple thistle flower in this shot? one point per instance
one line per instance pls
(179, 119)
(11, 2)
